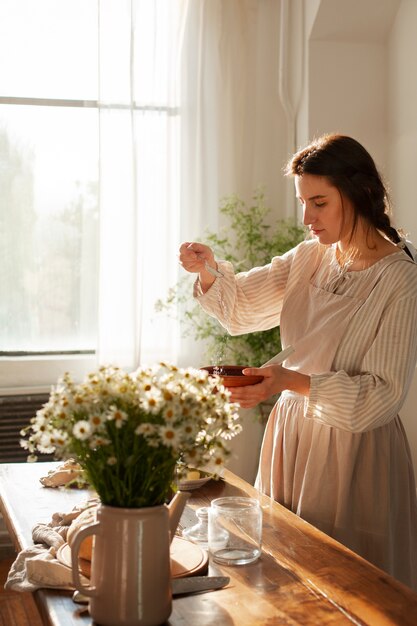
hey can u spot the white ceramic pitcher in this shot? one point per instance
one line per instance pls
(131, 568)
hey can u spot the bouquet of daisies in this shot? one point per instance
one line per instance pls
(129, 431)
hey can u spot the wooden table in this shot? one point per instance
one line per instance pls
(302, 578)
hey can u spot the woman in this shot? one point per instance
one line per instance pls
(334, 449)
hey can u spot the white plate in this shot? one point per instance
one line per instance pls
(190, 485)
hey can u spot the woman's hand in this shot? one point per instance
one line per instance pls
(193, 257)
(276, 379)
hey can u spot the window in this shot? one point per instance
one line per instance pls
(88, 124)
(49, 176)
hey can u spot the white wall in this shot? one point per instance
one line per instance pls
(348, 92)
(402, 114)
(402, 158)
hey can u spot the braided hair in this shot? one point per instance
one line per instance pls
(349, 167)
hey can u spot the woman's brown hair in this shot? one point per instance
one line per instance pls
(349, 167)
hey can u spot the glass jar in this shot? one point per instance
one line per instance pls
(199, 532)
(235, 530)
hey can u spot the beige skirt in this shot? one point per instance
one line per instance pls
(358, 488)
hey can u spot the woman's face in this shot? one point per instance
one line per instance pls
(327, 217)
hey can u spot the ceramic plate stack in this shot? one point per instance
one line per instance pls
(190, 485)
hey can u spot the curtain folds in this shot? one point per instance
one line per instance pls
(189, 113)
(139, 165)
(232, 124)
(233, 128)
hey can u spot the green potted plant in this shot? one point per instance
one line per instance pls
(247, 241)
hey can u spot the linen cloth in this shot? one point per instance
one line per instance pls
(37, 567)
(339, 458)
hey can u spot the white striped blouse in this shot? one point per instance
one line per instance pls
(376, 358)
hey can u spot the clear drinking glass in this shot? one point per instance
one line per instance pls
(235, 530)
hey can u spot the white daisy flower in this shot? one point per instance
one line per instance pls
(97, 441)
(152, 401)
(44, 445)
(40, 424)
(217, 461)
(169, 436)
(190, 429)
(117, 415)
(79, 400)
(82, 430)
(96, 420)
(58, 438)
(45, 440)
(169, 413)
(145, 429)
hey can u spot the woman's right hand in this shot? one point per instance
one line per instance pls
(193, 257)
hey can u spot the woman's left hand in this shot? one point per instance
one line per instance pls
(251, 395)
(276, 379)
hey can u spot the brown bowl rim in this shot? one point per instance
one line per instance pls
(256, 378)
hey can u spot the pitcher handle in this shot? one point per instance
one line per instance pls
(75, 548)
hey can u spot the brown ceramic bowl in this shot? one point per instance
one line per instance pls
(232, 375)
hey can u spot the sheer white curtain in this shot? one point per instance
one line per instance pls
(233, 132)
(139, 177)
(234, 129)
(189, 113)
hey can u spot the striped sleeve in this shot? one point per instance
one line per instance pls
(251, 301)
(373, 397)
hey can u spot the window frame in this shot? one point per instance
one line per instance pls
(34, 372)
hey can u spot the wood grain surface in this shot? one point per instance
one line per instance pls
(303, 577)
(16, 609)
